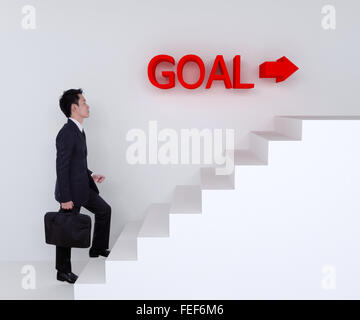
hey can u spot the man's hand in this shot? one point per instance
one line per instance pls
(67, 205)
(98, 178)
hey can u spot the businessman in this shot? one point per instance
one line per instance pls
(75, 183)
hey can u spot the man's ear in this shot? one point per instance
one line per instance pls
(73, 108)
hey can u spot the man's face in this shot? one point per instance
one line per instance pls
(82, 109)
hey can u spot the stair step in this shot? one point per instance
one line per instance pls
(323, 117)
(186, 199)
(245, 157)
(273, 136)
(156, 221)
(290, 127)
(94, 272)
(211, 181)
(125, 247)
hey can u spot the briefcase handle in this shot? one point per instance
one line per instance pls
(61, 210)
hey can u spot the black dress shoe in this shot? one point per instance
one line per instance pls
(74, 276)
(96, 253)
(66, 276)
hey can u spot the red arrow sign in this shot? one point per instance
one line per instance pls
(280, 69)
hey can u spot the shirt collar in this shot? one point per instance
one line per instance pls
(77, 123)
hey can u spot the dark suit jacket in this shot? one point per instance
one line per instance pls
(73, 178)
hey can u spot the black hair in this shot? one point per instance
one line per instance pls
(67, 99)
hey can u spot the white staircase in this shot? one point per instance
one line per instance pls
(273, 229)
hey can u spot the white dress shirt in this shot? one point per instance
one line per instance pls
(77, 123)
(80, 128)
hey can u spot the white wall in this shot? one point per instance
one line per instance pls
(104, 47)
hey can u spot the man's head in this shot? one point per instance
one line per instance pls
(73, 104)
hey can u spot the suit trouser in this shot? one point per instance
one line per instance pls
(100, 240)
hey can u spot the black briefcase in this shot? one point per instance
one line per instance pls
(67, 229)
